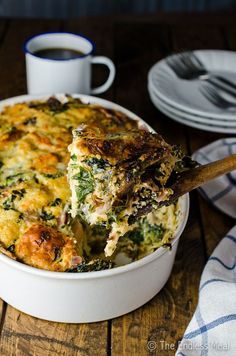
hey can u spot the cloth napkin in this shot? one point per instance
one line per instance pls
(212, 330)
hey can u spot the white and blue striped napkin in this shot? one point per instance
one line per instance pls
(212, 330)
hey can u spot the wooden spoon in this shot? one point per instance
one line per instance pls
(195, 177)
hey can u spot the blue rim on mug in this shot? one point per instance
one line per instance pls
(26, 51)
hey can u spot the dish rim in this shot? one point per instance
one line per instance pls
(107, 272)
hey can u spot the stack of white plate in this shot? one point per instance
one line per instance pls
(183, 101)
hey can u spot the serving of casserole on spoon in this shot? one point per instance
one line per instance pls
(115, 178)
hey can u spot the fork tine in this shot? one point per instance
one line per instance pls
(181, 64)
(195, 58)
(215, 98)
(176, 64)
(184, 64)
(191, 62)
(180, 58)
(213, 93)
(207, 94)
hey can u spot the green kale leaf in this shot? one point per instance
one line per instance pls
(85, 184)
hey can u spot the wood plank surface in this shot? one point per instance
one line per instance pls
(25, 335)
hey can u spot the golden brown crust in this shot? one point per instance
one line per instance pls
(44, 247)
(123, 148)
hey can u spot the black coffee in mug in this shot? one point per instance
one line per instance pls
(58, 53)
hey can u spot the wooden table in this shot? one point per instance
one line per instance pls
(134, 43)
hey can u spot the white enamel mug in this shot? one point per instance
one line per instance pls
(73, 75)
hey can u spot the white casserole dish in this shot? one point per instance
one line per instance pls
(89, 296)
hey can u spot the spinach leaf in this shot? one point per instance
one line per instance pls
(73, 157)
(85, 183)
(11, 248)
(97, 164)
(95, 265)
(14, 178)
(9, 202)
(30, 121)
(53, 175)
(136, 236)
(46, 216)
(56, 202)
(152, 233)
(18, 193)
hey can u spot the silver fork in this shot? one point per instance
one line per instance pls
(189, 67)
(216, 98)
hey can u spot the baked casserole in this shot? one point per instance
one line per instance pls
(116, 170)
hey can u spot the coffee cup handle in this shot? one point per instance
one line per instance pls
(112, 71)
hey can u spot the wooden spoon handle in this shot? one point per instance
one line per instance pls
(195, 177)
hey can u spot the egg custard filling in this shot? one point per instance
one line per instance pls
(104, 208)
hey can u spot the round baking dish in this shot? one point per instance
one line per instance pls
(89, 296)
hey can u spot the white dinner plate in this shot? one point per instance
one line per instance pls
(195, 117)
(191, 117)
(185, 94)
(178, 117)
